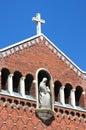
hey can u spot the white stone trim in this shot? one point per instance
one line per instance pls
(67, 62)
(0, 73)
(40, 38)
(79, 73)
(16, 49)
(25, 45)
(71, 66)
(4, 54)
(18, 95)
(37, 40)
(50, 47)
(29, 44)
(59, 54)
(21, 42)
(75, 70)
(8, 52)
(12, 50)
(63, 58)
(55, 51)
(46, 43)
(33, 42)
(19, 47)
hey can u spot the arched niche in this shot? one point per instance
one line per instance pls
(67, 91)
(16, 81)
(57, 86)
(4, 77)
(78, 94)
(43, 75)
(44, 91)
(28, 83)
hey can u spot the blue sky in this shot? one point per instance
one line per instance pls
(65, 24)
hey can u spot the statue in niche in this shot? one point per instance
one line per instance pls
(45, 100)
(44, 94)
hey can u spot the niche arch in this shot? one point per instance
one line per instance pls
(40, 74)
(28, 83)
(67, 91)
(4, 77)
(57, 86)
(78, 94)
(16, 81)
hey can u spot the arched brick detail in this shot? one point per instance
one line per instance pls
(29, 88)
(67, 91)
(4, 78)
(16, 81)
(78, 95)
(57, 85)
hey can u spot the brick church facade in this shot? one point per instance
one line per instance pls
(23, 65)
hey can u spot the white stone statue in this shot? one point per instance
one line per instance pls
(44, 94)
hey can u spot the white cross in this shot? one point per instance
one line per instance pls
(39, 21)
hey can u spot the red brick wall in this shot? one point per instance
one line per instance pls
(14, 118)
(29, 60)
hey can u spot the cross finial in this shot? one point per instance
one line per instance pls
(38, 21)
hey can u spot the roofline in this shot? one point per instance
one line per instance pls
(33, 37)
(20, 42)
(64, 55)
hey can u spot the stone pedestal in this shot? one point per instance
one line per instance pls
(45, 114)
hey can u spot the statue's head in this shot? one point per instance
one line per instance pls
(44, 79)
